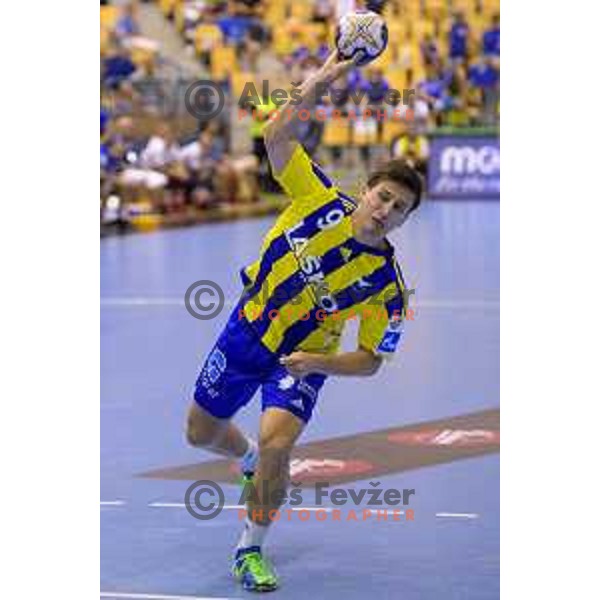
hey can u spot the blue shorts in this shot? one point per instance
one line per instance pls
(239, 364)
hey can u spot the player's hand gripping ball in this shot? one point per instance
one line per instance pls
(361, 36)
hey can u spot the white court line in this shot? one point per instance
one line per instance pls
(233, 506)
(140, 301)
(133, 301)
(157, 596)
(182, 505)
(440, 515)
(443, 515)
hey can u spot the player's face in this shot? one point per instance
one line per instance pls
(384, 207)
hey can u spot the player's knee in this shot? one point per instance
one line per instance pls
(197, 433)
(276, 441)
(196, 437)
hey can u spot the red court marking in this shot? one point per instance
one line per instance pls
(462, 438)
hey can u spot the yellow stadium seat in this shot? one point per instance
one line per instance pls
(179, 14)
(282, 45)
(312, 34)
(421, 28)
(239, 79)
(385, 61)
(302, 11)
(490, 7)
(141, 56)
(104, 40)
(418, 74)
(336, 133)
(466, 6)
(391, 130)
(291, 36)
(146, 221)
(436, 5)
(479, 24)
(275, 13)
(396, 32)
(411, 9)
(396, 78)
(168, 6)
(108, 16)
(396, 37)
(364, 132)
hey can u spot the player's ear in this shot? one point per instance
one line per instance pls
(362, 189)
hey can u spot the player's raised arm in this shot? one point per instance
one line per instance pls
(280, 133)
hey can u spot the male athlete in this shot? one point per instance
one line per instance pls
(325, 260)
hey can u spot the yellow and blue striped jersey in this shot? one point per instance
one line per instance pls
(312, 275)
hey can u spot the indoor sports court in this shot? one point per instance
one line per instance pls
(429, 421)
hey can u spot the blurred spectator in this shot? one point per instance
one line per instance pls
(323, 11)
(430, 54)
(121, 100)
(458, 38)
(117, 150)
(245, 7)
(406, 55)
(235, 27)
(365, 131)
(375, 5)
(485, 77)
(456, 109)
(249, 53)
(104, 117)
(207, 38)
(127, 24)
(117, 66)
(414, 113)
(491, 38)
(355, 79)
(376, 86)
(433, 90)
(323, 48)
(212, 177)
(148, 177)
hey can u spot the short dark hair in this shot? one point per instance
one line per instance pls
(401, 172)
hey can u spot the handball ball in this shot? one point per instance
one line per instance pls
(363, 34)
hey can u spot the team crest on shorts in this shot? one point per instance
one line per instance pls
(286, 383)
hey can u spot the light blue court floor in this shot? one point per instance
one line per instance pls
(440, 395)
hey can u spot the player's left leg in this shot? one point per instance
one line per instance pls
(288, 405)
(279, 430)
